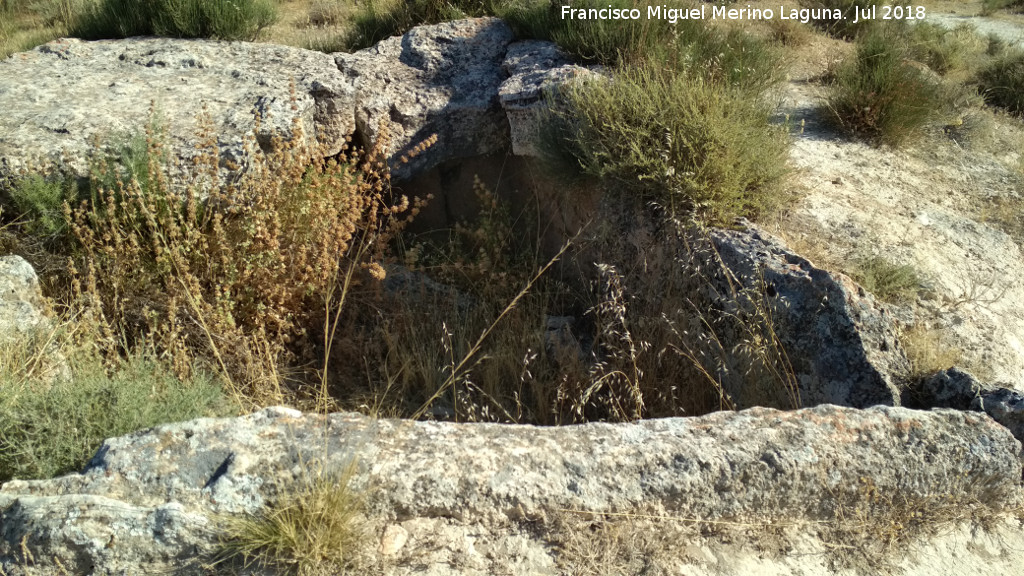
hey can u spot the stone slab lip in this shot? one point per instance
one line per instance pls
(155, 489)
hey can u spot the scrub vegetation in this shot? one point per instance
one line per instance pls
(216, 299)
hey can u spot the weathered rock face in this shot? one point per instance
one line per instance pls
(925, 208)
(841, 341)
(536, 70)
(21, 301)
(440, 79)
(960, 390)
(152, 493)
(60, 96)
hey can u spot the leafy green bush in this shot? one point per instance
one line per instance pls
(222, 19)
(1002, 82)
(880, 96)
(687, 141)
(47, 429)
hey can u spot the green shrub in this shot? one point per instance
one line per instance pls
(689, 46)
(48, 429)
(881, 97)
(997, 45)
(989, 7)
(315, 527)
(599, 41)
(25, 24)
(380, 19)
(39, 202)
(942, 49)
(1002, 82)
(222, 19)
(683, 122)
(686, 141)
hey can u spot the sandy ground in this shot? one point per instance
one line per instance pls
(925, 207)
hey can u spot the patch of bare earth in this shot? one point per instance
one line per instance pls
(941, 207)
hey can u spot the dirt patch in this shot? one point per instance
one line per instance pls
(940, 207)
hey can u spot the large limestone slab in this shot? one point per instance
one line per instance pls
(435, 80)
(58, 98)
(153, 493)
(841, 341)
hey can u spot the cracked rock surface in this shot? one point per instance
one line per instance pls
(157, 490)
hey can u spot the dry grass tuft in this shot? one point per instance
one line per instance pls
(1006, 213)
(870, 526)
(315, 528)
(790, 33)
(658, 329)
(928, 351)
(235, 275)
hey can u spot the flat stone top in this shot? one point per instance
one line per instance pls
(759, 461)
(62, 95)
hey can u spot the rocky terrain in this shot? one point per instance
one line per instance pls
(485, 499)
(870, 477)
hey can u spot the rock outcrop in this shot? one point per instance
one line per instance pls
(536, 70)
(442, 80)
(436, 80)
(444, 498)
(21, 300)
(155, 494)
(841, 341)
(60, 97)
(960, 390)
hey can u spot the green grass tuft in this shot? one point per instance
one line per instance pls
(989, 7)
(39, 202)
(380, 19)
(315, 527)
(941, 49)
(888, 281)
